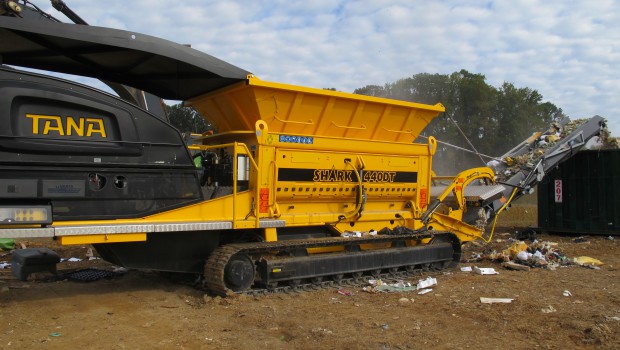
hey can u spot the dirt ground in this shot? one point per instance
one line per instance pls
(145, 310)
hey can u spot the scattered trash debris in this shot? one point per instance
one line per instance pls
(119, 269)
(395, 288)
(345, 292)
(4, 264)
(466, 269)
(580, 240)
(536, 254)
(404, 301)
(399, 286)
(485, 300)
(424, 291)
(359, 234)
(523, 255)
(587, 261)
(514, 266)
(612, 318)
(321, 331)
(428, 282)
(70, 259)
(525, 235)
(7, 243)
(515, 249)
(567, 293)
(385, 326)
(475, 257)
(55, 334)
(548, 310)
(611, 238)
(485, 270)
(380, 286)
(402, 284)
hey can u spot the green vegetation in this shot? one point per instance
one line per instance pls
(493, 119)
(186, 119)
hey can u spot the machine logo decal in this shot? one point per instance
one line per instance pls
(296, 139)
(67, 126)
(379, 176)
(64, 189)
(335, 175)
(332, 175)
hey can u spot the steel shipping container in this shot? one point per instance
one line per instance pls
(582, 195)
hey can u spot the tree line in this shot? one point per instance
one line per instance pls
(187, 119)
(491, 119)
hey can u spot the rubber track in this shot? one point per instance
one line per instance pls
(214, 267)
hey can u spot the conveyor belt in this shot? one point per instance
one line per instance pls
(472, 192)
(526, 177)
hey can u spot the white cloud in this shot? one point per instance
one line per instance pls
(568, 51)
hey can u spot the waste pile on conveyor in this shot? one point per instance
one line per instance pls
(534, 149)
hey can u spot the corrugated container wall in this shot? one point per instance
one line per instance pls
(582, 195)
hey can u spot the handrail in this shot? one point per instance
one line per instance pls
(224, 145)
(309, 122)
(361, 127)
(245, 151)
(276, 211)
(398, 131)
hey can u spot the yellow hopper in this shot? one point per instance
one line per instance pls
(297, 110)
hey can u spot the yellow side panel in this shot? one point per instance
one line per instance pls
(219, 209)
(93, 239)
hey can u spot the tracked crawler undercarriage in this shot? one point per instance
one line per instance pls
(256, 267)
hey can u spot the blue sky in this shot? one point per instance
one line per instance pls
(569, 51)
